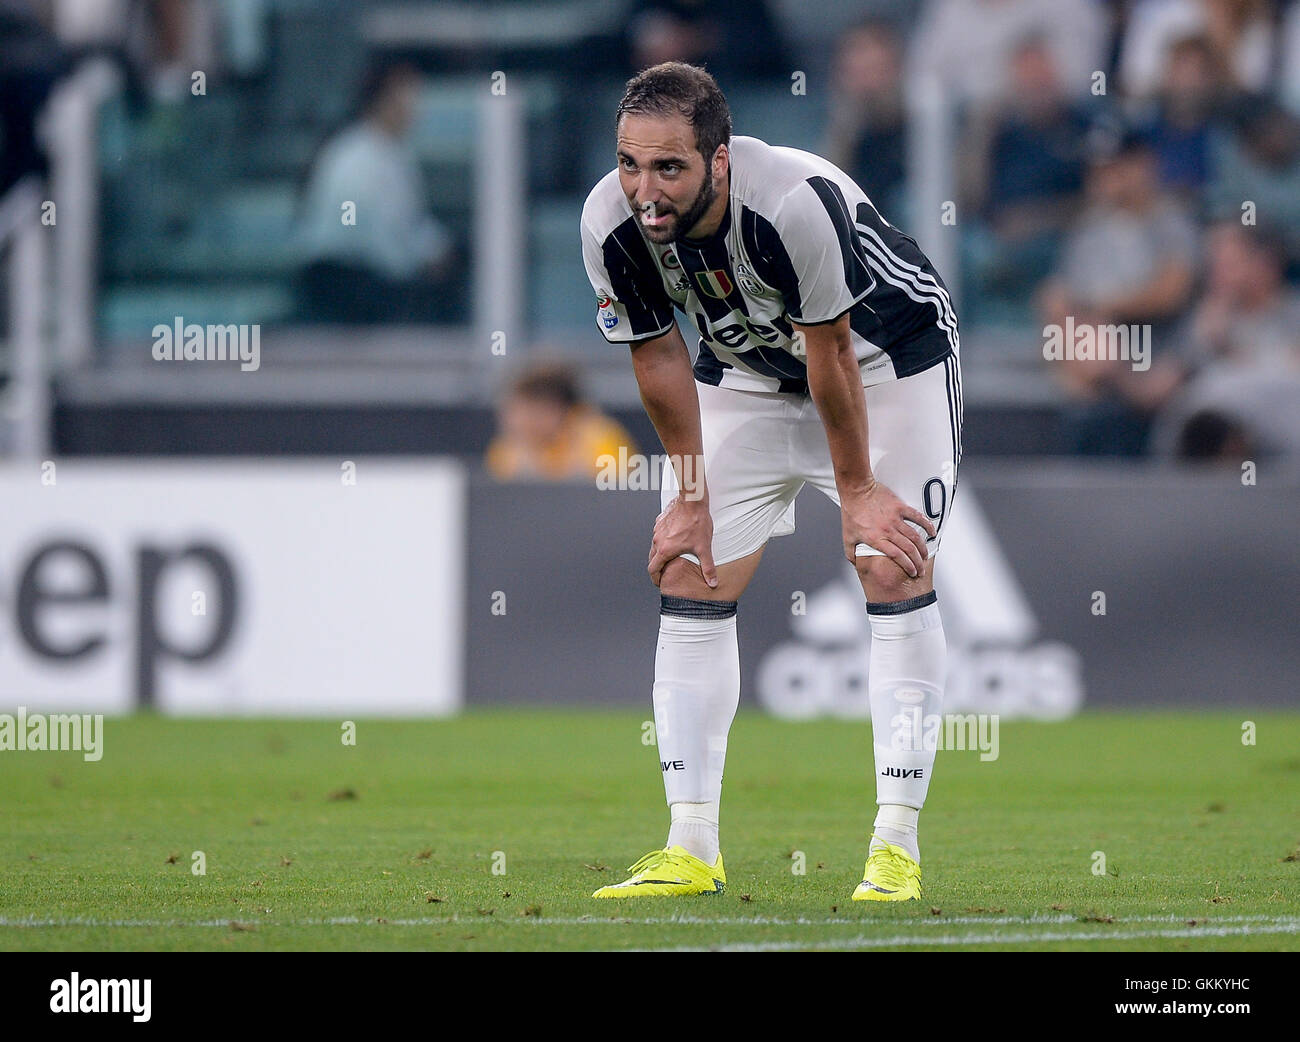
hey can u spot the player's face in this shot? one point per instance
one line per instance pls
(666, 180)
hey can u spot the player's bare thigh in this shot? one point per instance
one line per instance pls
(683, 578)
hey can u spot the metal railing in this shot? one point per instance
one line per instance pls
(27, 395)
(72, 121)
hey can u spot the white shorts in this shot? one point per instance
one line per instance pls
(760, 448)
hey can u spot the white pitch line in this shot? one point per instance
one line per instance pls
(1290, 922)
(955, 940)
(865, 919)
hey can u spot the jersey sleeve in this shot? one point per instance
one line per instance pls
(827, 271)
(631, 302)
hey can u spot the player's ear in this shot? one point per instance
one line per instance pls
(721, 162)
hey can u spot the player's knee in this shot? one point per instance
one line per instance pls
(885, 582)
(683, 578)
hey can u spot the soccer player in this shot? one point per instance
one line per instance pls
(828, 355)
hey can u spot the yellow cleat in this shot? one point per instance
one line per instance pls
(890, 875)
(670, 872)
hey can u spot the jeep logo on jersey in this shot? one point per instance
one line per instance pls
(715, 283)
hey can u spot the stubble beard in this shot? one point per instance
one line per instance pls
(686, 221)
(697, 210)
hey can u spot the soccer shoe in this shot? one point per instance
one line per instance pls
(670, 872)
(890, 875)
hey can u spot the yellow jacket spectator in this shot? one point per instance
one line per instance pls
(546, 432)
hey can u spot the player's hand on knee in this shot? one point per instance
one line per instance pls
(877, 517)
(685, 527)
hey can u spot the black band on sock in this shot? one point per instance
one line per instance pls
(686, 608)
(901, 607)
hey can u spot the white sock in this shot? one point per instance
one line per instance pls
(896, 825)
(696, 692)
(906, 677)
(695, 828)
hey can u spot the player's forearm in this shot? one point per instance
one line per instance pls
(835, 385)
(667, 386)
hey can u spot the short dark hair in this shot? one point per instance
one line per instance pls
(675, 88)
(378, 79)
(555, 382)
(1208, 434)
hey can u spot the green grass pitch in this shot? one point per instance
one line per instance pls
(490, 831)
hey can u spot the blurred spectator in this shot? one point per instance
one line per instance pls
(1130, 255)
(1243, 356)
(160, 43)
(546, 431)
(1129, 260)
(1193, 92)
(1249, 317)
(31, 62)
(1259, 163)
(967, 45)
(1239, 32)
(384, 258)
(1231, 415)
(1021, 174)
(868, 128)
(733, 38)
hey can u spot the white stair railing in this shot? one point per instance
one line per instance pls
(931, 163)
(27, 395)
(71, 121)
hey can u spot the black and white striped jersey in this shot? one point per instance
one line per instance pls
(799, 241)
